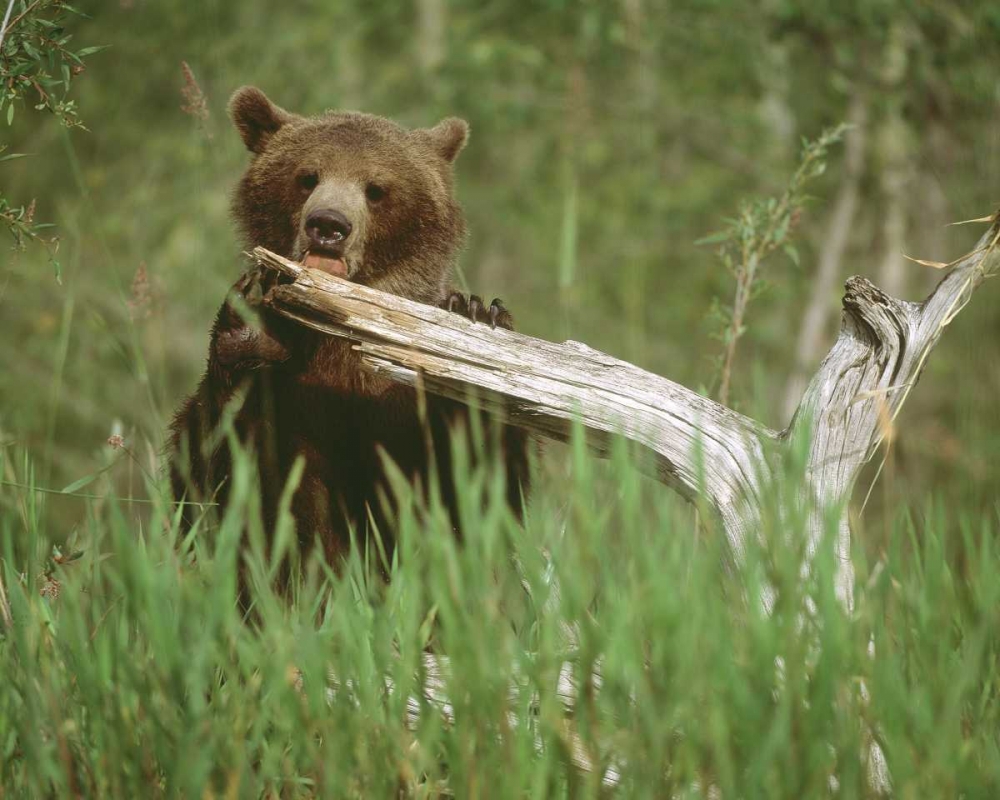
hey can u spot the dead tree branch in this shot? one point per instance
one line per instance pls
(691, 443)
(540, 385)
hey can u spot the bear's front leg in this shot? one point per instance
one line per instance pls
(245, 336)
(245, 339)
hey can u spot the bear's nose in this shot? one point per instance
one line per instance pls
(327, 228)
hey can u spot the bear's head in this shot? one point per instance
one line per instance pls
(354, 194)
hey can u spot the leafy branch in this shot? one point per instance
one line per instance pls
(37, 66)
(20, 221)
(761, 226)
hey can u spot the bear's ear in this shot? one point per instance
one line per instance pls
(449, 137)
(256, 118)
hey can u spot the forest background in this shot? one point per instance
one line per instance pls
(608, 138)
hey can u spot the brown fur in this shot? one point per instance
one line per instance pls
(304, 394)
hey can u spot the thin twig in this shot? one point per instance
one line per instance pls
(5, 27)
(758, 238)
(85, 496)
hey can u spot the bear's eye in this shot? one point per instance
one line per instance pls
(308, 181)
(374, 192)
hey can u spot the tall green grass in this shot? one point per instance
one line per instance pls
(604, 648)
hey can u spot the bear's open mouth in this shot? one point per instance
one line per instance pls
(325, 261)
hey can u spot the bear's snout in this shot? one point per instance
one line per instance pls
(327, 229)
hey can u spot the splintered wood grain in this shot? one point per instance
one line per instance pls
(687, 441)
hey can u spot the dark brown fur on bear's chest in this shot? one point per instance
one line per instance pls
(344, 423)
(365, 199)
(347, 412)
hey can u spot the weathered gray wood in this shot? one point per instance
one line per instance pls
(540, 385)
(846, 411)
(434, 696)
(859, 389)
(691, 443)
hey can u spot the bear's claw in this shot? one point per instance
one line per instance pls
(496, 314)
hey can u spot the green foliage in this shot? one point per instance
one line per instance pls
(37, 68)
(37, 60)
(129, 671)
(606, 138)
(761, 227)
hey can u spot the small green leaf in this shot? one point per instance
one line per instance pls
(792, 252)
(89, 51)
(77, 485)
(713, 238)
(782, 230)
(10, 114)
(12, 156)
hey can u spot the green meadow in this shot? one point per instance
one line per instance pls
(609, 645)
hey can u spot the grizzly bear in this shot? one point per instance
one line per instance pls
(365, 199)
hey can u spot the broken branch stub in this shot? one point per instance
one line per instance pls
(690, 442)
(852, 401)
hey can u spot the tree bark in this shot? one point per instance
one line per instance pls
(541, 386)
(692, 444)
(432, 26)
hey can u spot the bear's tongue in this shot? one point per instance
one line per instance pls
(328, 264)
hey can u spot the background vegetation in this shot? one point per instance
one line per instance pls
(608, 138)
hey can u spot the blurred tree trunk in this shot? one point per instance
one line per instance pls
(934, 202)
(643, 64)
(820, 310)
(774, 71)
(432, 26)
(643, 127)
(576, 118)
(894, 153)
(349, 61)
